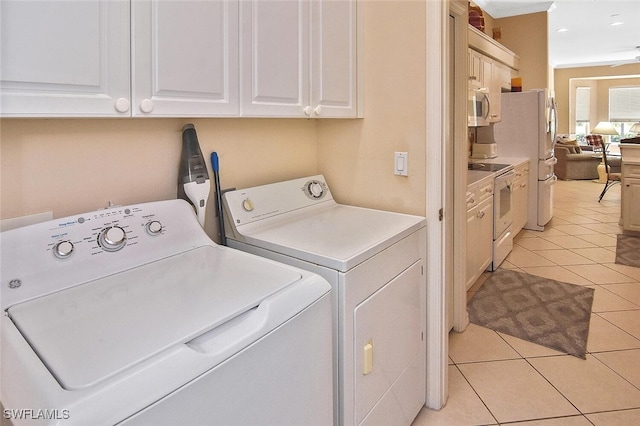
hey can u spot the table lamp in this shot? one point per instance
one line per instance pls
(604, 128)
(635, 128)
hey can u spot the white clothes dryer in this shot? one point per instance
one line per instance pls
(132, 315)
(375, 262)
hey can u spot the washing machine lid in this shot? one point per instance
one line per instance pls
(90, 332)
(338, 237)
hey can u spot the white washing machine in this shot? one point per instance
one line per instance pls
(375, 262)
(132, 315)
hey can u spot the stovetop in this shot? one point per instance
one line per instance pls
(488, 167)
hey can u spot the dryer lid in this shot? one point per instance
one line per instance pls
(93, 331)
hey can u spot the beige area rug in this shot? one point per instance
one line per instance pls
(628, 250)
(543, 311)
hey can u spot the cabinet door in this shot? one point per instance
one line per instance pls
(631, 204)
(274, 39)
(471, 273)
(333, 58)
(185, 58)
(64, 58)
(487, 71)
(475, 69)
(484, 245)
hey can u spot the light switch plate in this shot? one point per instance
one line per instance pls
(401, 164)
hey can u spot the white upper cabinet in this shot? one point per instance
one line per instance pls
(185, 58)
(298, 58)
(334, 68)
(275, 57)
(178, 58)
(64, 58)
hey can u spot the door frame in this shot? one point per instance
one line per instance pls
(439, 172)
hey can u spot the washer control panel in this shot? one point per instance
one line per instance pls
(103, 231)
(49, 256)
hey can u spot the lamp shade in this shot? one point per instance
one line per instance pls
(635, 128)
(604, 128)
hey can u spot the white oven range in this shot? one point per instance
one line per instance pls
(502, 208)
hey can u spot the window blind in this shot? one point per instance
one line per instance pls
(583, 101)
(624, 104)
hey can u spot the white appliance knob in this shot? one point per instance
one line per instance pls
(122, 105)
(247, 204)
(112, 238)
(315, 189)
(308, 110)
(318, 110)
(154, 227)
(146, 105)
(63, 249)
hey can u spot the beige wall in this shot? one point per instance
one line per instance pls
(562, 89)
(526, 35)
(74, 165)
(358, 155)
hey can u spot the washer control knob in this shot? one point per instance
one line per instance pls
(112, 238)
(63, 249)
(154, 227)
(247, 204)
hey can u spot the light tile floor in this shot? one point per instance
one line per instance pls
(498, 379)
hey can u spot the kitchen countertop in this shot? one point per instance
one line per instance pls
(475, 176)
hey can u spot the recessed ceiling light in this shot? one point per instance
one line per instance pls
(615, 24)
(562, 30)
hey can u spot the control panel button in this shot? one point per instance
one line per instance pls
(112, 238)
(154, 227)
(63, 249)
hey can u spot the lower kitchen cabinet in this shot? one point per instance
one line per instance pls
(479, 232)
(520, 197)
(630, 197)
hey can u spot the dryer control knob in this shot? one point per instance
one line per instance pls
(314, 189)
(247, 204)
(112, 238)
(154, 227)
(63, 249)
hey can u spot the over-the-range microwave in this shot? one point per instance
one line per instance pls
(479, 107)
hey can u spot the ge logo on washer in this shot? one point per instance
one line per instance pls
(315, 189)
(15, 283)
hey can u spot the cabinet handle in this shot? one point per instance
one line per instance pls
(122, 105)
(480, 215)
(146, 105)
(318, 110)
(308, 110)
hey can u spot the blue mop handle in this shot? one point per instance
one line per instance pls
(215, 164)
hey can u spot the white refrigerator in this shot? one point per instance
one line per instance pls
(528, 129)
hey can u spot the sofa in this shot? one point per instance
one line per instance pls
(574, 163)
